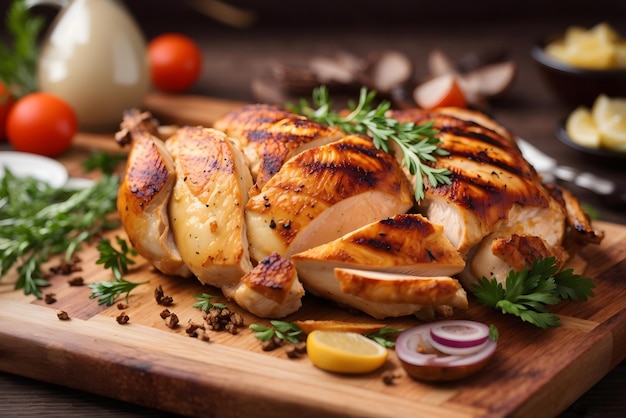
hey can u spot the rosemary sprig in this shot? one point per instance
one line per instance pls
(418, 143)
(118, 261)
(38, 221)
(108, 291)
(204, 302)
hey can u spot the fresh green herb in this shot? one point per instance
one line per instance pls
(114, 259)
(494, 334)
(382, 336)
(418, 143)
(204, 302)
(103, 161)
(285, 331)
(18, 64)
(107, 292)
(530, 290)
(38, 221)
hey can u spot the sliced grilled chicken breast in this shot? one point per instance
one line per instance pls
(492, 187)
(269, 136)
(494, 192)
(207, 205)
(383, 287)
(405, 245)
(144, 195)
(270, 290)
(323, 193)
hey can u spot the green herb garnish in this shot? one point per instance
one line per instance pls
(18, 64)
(418, 143)
(529, 291)
(204, 302)
(114, 259)
(381, 336)
(38, 221)
(103, 161)
(285, 331)
(107, 292)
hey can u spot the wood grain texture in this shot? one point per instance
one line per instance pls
(534, 373)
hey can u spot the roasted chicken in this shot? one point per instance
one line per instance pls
(267, 204)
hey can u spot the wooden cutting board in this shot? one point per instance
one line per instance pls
(534, 372)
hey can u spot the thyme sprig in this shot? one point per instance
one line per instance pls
(418, 143)
(107, 292)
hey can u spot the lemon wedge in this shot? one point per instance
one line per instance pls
(582, 129)
(609, 115)
(344, 352)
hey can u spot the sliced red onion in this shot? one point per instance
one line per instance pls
(422, 360)
(459, 337)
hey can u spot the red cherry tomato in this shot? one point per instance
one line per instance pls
(175, 62)
(6, 101)
(41, 123)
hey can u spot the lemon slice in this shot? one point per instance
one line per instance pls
(581, 128)
(344, 352)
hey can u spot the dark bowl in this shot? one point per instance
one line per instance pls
(597, 155)
(578, 86)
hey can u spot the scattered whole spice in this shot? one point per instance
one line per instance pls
(389, 377)
(297, 350)
(165, 313)
(197, 331)
(76, 281)
(66, 267)
(50, 298)
(121, 306)
(223, 320)
(161, 298)
(62, 315)
(171, 321)
(122, 318)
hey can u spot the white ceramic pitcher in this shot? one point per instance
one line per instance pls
(94, 57)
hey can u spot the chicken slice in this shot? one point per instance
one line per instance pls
(406, 245)
(271, 290)
(269, 136)
(386, 287)
(144, 195)
(207, 206)
(323, 193)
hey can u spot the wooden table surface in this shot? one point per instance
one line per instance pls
(233, 58)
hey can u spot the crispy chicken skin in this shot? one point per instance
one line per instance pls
(271, 289)
(269, 136)
(207, 205)
(323, 193)
(144, 195)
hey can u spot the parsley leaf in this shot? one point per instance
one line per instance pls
(285, 331)
(529, 291)
(418, 143)
(204, 302)
(116, 260)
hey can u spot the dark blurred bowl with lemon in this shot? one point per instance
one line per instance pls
(583, 63)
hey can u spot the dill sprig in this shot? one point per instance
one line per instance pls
(418, 143)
